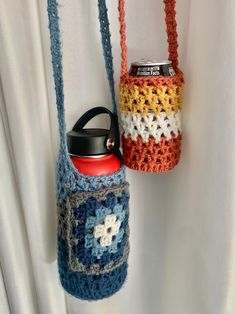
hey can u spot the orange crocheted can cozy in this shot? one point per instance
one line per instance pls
(150, 108)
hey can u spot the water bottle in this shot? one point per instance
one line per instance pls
(95, 151)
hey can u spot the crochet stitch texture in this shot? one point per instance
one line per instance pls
(150, 107)
(93, 211)
(90, 269)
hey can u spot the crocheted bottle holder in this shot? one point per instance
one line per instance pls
(150, 108)
(93, 211)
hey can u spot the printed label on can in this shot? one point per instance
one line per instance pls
(148, 71)
(171, 71)
(148, 68)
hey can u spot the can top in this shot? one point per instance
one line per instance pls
(146, 62)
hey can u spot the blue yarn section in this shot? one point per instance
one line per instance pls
(107, 48)
(57, 68)
(82, 218)
(92, 209)
(69, 182)
(88, 287)
(86, 257)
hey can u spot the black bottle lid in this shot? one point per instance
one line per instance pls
(92, 141)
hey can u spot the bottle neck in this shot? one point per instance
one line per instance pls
(91, 156)
(100, 165)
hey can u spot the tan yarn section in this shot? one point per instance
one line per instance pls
(136, 99)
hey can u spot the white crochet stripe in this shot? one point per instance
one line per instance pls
(151, 125)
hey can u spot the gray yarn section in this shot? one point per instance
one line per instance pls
(80, 197)
(74, 200)
(96, 269)
(66, 222)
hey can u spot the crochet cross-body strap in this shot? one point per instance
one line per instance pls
(57, 60)
(107, 48)
(57, 68)
(170, 18)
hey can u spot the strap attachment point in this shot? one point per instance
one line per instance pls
(170, 19)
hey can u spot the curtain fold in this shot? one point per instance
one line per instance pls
(4, 306)
(28, 209)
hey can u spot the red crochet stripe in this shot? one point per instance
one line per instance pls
(151, 156)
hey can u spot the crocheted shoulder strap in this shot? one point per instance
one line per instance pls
(57, 61)
(170, 18)
(107, 49)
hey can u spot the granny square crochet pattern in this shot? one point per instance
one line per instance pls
(151, 107)
(93, 242)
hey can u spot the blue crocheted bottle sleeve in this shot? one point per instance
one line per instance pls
(93, 245)
(93, 211)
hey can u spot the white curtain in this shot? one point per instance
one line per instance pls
(182, 223)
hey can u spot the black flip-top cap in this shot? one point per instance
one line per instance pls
(88, 142)
(93, 141)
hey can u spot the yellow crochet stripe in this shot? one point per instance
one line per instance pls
(136, 99)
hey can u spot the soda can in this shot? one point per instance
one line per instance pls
(151, 68)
